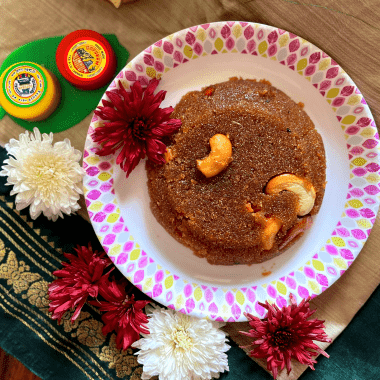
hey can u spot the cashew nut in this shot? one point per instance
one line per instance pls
(271, 226)
(299, 186)
(219, 157)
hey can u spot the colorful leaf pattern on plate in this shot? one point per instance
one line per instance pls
(351, 232)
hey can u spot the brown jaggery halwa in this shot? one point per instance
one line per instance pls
(223, 217)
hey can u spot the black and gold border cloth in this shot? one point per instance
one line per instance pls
(29, 252)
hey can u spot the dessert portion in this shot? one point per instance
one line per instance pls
(243, 174)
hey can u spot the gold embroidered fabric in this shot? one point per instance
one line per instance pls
(28, 256)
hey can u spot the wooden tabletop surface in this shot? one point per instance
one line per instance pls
(347, 30)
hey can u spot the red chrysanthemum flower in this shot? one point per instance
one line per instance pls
(286, 333)
(78, 280)
(124, 314)
(135, 125)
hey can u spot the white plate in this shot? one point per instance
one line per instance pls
(169, 272)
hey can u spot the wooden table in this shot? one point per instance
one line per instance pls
(347, 30)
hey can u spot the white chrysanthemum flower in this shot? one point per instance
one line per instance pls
(180, 347)
(46, 177)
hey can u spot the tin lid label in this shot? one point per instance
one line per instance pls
(86, 59)
(24, 85)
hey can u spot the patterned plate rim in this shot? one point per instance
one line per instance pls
(348, 237)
